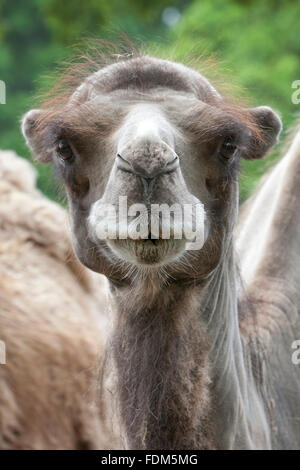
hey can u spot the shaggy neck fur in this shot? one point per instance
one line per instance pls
(182, 375)
(161, 356)
(240, 416)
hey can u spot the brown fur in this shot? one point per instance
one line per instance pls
(161, 356)
(136, 71)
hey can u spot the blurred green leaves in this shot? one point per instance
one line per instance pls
(67, 21)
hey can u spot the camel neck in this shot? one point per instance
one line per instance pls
(181, 373)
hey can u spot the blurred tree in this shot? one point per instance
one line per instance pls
(68, 21)
(257, 43)
(25, 52)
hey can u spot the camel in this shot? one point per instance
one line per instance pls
(52, 323)
(269, 269)
(196, 358)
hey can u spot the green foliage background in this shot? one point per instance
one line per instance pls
(257, 43)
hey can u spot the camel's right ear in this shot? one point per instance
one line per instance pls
(269, 125)
(34, 136)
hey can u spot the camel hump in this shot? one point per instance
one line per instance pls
(52, 323)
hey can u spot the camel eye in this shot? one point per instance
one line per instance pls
(64, 150)
(227, 149)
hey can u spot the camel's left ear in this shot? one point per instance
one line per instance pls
(34, 136)
(269, 125)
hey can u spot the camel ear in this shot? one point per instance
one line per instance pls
(34, 136)
(269, 124)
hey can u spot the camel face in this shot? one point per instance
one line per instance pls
(140, 134)
(153, 162)
(145, 173)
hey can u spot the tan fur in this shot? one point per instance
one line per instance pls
(52, 321)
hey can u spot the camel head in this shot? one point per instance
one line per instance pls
(142, 133)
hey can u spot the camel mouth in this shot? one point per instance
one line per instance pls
(150, 252)
(154, 237)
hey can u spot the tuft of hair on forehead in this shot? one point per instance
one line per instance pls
(206, 123)
(106, 66)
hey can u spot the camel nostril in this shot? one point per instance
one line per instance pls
(172, 165)
(147, 174)
(123, 164)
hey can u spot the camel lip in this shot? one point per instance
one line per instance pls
(151, 242)
(144, 252)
